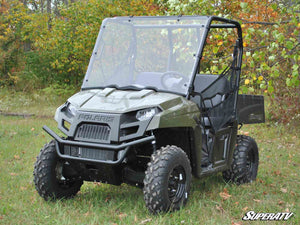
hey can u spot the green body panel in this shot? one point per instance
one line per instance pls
(176, 111)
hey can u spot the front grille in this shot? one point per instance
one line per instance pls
(93, 133)
(89, 153)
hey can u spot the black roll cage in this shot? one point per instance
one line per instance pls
(228, 24)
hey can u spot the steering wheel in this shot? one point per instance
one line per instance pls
(173, 80)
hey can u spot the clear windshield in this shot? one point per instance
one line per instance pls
(153, 52)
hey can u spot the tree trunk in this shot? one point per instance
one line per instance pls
(25, 3)
(56, 10)
(42, 6)
(49, 13)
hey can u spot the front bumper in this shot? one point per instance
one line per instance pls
(121, 149)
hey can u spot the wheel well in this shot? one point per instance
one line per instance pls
(179, 136)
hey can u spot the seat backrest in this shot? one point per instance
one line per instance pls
(202, 81)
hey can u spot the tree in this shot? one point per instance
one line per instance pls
(67, 46)
(271, 46)
(12, 19)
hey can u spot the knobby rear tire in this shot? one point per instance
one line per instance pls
(245, 161)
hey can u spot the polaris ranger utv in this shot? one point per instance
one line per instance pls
(151, 114)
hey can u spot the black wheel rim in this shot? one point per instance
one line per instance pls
(177, 184)
(62, 182)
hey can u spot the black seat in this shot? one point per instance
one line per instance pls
(213, 96)
(202, 81)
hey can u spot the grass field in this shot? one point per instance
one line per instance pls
(212, 201)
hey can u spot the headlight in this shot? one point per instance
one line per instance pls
(146, 114)
(71, 110)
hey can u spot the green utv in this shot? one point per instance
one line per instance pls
(151, 113)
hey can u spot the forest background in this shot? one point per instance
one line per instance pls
(46, 45)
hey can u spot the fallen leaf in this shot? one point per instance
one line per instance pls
(236, 203)
(23, 188)
(257, 200)
(277, 172)
(107, 199)
(17, 157)
(260, 181)
(264, 193)
(1, 217)
(13, 133)
(280, 202)
(225, 194)
(220, 208)
(32, 199)
(220, 43)
(145, 221)
(13, 174)
(245, 209)
(32, 129)
(135, 218)
(283, 190)
(236, 223)
(287, 210)
(292, 193)
(122, 215)
(87, 213)
(246, 133)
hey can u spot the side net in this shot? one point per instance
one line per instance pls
(218, 99)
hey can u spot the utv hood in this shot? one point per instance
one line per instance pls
(111, 100)
(118, 109)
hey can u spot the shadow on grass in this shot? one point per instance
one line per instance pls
(208, 183)
(115, 199)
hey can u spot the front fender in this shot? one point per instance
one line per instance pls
(182, 114)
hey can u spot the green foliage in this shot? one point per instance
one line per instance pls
(271, 45)
(57, 46)
(13, 16)
(66, 47)
(38, 49)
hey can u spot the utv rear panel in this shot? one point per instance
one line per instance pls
(251, 109)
